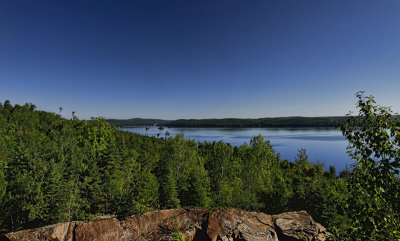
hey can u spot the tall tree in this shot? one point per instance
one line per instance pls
(374, 144)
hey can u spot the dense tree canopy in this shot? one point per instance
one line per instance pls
(54, 169)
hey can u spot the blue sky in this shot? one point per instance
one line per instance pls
(199, 59)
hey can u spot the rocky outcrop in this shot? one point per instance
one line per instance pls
(293, 225)
(192, 224)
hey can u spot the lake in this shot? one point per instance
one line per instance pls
(323, 145)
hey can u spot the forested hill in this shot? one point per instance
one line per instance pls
(296, 121)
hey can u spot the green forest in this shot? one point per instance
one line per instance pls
(54, 169)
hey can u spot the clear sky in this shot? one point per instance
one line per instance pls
(199, 59)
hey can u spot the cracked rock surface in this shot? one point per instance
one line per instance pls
(194, 224)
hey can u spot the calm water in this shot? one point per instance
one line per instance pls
(324, 145)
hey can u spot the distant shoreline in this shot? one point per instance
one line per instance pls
(277, 122)
(217, 127)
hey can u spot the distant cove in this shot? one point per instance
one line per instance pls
(324, 145)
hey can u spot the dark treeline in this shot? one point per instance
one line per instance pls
(278, 122)
(136, 122)
(54, 170)
(235, 122)
(261, 122)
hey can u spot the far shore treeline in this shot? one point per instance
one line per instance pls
(278, 122)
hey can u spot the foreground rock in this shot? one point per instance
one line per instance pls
(194, 225)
